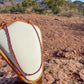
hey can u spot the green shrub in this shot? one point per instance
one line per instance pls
(6, 9)
(39, 10)
(17, 8)
(25, 3)
(55, 9)
(58, 7)
(55, 5)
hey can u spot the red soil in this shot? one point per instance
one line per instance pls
(63, 49)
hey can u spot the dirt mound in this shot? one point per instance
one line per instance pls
(63, 49)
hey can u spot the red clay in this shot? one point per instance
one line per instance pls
(63, 49)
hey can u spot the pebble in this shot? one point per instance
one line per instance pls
(81, 61)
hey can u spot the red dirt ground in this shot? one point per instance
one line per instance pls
(63, 49)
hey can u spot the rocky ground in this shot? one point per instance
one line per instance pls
(63, 49)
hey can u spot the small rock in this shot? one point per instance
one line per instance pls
(46, 66)
(55, 81)
(82, 53)
(81, 61)
(13, 74)
(76, 75)
(48, 60)
(2, 74)
(4, 65)
(65, 53)
(82, 74)
(49, 78)
(56, 19)
(58, 54)
(68, 49)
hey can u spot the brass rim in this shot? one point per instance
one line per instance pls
(9, 61)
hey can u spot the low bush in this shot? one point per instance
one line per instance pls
(49, 7)
(39, 10)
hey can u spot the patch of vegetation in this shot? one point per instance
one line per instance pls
(64, 8)
(17, 8)
(56, 7)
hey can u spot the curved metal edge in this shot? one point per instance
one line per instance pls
(18, 72)
(37, 81)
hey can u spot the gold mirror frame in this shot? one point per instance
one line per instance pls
(39, 80)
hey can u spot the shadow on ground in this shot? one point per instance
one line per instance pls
(14, 80)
